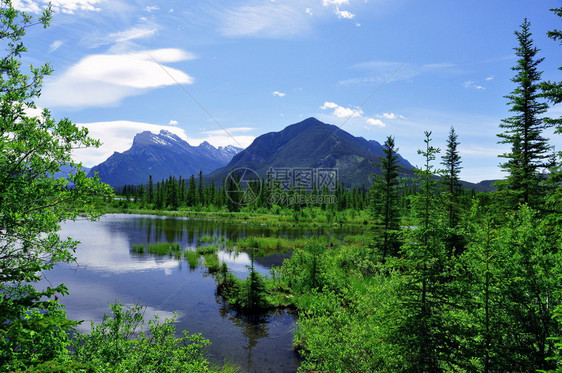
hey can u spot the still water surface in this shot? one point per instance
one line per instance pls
(107, 271)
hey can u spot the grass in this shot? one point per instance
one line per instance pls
(271, 243)
(310, 216)
(207, 239)
(212, 262)
(209, 249)
(159, 248)
(138, 248)
(192, 258)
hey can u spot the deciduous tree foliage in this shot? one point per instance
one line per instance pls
(33, 202)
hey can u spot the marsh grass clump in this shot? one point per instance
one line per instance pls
(137, 248)
(212, 262)
(164, 248)
(192, 258)
(207, 239)
(270, 243)
(209, 249)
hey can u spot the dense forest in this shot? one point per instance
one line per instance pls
(442, 279)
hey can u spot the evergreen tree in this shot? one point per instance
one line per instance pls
(200, 194)
(385, 207)
(429, 332)
(192, 199)
(523, 131)
(451, 162)
(150, 190)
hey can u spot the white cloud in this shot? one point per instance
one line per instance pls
(375, 122)
(334, 2)
(28, 6)
(277, 93)
(390, 116)
(344, 14)
(152, 8)
(132, 33)
(173, 122)
(309, 11)
(471, 84)
(59, 6)
(269, 20)
(55, 45)
(230, 130)
(342, 112)
(105, 79)
(491, 77)
(228, 136)
(117, 136)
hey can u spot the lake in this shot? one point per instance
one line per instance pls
(107, 271)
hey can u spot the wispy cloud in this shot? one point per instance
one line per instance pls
(105, 79)
(280, 19)
(390, 116)
(55, 45)
(173, 123)
(277, 93)
(59, 6)
(334, 2)
(379, 71)
(471, 84)
(136, 32)
(267, 19)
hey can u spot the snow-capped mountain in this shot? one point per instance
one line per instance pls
(161, 155)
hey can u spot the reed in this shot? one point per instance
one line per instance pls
(192, 258)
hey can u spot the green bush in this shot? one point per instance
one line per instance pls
(121, 344)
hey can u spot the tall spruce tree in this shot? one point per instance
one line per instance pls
(385, 201)
(523, 131)
(451, 162)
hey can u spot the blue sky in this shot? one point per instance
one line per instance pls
(373, 67)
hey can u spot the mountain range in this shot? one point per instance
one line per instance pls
(309, 144)
(312, 144)
(161, 155)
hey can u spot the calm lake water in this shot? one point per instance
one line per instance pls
(107, 271)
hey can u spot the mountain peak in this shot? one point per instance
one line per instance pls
(160, 155)
(147, 138)
(312, 144)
